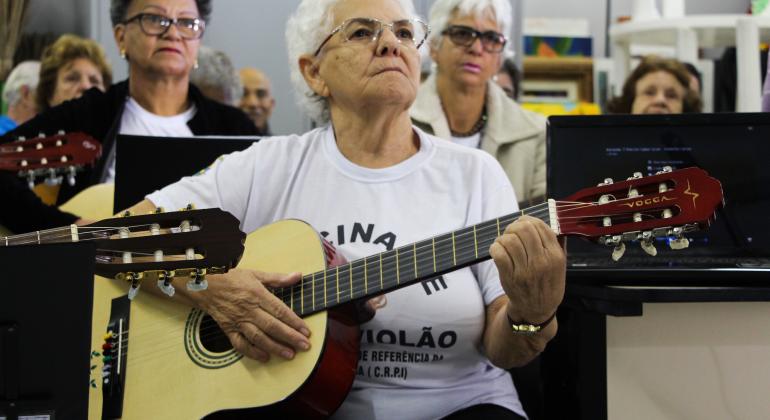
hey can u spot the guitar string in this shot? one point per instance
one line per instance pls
(386, 268)
(203, 331)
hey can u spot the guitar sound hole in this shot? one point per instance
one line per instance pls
(212, 337)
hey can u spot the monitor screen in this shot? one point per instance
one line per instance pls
(733, 148)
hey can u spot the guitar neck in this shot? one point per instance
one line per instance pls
(400, 267)
(49, 236)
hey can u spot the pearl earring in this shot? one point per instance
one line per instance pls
(195, 66)
(123, 54)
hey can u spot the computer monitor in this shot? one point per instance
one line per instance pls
(144, 164)
(734, 148)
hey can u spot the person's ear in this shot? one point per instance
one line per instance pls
(312, 74)
(119, 33)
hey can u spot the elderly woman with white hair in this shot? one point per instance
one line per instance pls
(460, 102)
(19, 95)
(371, 183)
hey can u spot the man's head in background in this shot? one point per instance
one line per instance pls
(257, 100)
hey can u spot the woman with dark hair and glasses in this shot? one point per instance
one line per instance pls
(460, 102)
(431, 350)
(159, 39)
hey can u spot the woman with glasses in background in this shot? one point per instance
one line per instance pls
(159, 39)
(431, 350)
(460, 102)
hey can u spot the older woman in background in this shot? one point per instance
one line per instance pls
(159, 39)
(460, 102)
(216, 77)
(657, 86)
(69, 67)
(355, 65)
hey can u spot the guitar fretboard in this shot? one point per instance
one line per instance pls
(405, 265)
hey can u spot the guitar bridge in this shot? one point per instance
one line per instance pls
(114, 352)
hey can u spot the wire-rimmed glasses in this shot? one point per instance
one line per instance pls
(409, 32)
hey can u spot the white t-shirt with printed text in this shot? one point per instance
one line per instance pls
(421, 355)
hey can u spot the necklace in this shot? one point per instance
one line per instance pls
(480, 123)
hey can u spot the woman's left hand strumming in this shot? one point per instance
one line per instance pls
(532, 266)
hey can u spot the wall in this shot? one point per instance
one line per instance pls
(58, 16)
(596, 12)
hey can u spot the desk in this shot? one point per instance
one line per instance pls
(689, 33)
(660, 352)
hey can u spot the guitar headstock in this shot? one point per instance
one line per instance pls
(50, 157)
(161, 246)
(667, 204)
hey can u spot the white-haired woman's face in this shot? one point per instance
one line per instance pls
(358, 72)
(471, 65)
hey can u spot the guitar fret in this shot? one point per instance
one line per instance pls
(366, 279)
(338, 284)
(443, 253)
(454, 250)
(433, 249)
(398, 274)
(475, 242)
(381, 281)
(313, 289)
(350, 270)
(325, 304)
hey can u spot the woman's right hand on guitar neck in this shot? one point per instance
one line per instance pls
(257, 323)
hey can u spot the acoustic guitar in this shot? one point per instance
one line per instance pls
(50, 157)
(166, 360)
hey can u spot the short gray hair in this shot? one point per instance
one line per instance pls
(442, 10)
(216, 71)
(26, 73)
(306, 29)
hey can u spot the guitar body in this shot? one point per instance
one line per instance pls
(173, 369)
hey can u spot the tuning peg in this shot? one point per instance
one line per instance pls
(198, 281)
(71, 176)
(666, 169)
(189, 207)
(618, 252)
(159, 210)
(679, 243)
(636, 175)
(164, 283)
(126, 213)
(607, 181)
(136, 283)
(647, 245)
(31, 179)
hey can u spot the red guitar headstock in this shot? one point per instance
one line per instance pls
(50, 157)
(666, 204)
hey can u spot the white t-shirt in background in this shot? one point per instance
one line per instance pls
(421, 355)
(138, 121)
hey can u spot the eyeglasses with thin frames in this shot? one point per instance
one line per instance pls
(157, 25)
(465, 36)
(409, 32)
